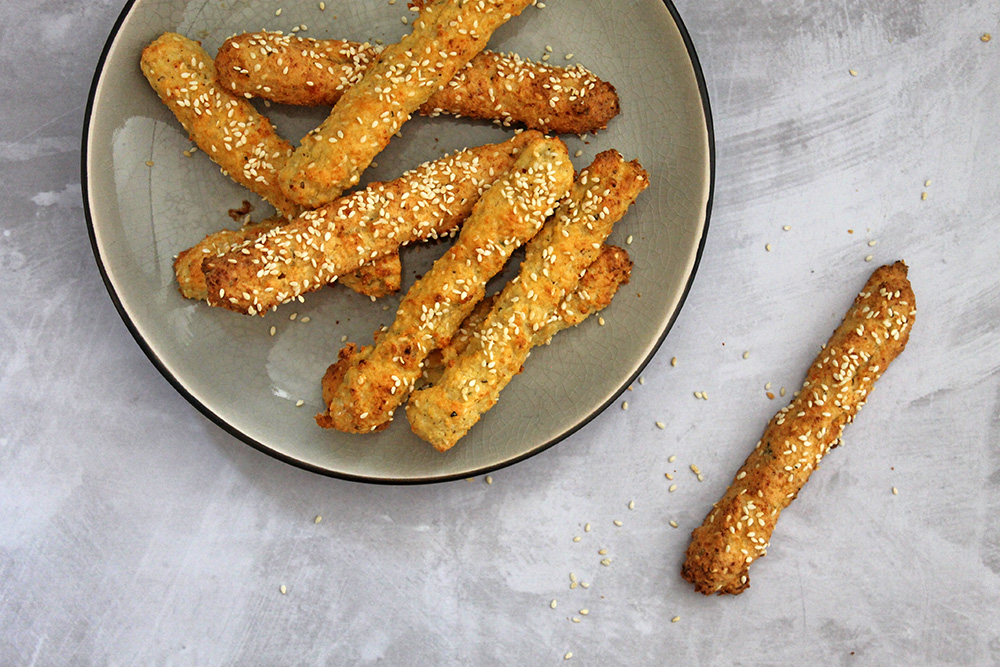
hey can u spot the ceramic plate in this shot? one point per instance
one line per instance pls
(146, 201)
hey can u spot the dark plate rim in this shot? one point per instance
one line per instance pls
(262, 447)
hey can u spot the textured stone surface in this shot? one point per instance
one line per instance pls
(135, 531)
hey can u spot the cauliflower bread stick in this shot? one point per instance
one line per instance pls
(446, 35)
(290, 69)
(225, 126)
(554, 262)
(511, 211)
(738, 529)
(283, 263)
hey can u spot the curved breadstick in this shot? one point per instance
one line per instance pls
(446, 35)
(738, 529)
(510, 212)
(598, 285)
(225, 126)
(495, 86)
(314, 249)
(553, 264)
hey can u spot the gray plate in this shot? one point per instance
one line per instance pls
(248, 381)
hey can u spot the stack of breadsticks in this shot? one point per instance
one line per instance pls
(451, 348)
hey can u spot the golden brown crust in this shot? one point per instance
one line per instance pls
(553, 264)
(446, 35)
(318, 246)
(225, 127)
(375, 279)
(494, 86)
(598, 285)
(738, 529)
(510, 212)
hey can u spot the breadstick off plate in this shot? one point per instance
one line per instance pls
(151, 193)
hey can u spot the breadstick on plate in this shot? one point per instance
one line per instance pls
(378, 278)
(289, 69)
(598, 285)
(446, 35)
(374, 380)
(313, 250)
(553, 264)
(225, 126)
(738, 529)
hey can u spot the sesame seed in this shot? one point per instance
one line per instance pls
(305, 319)
(293, 316)
(317, 519)
(577, 538)
(628, 240)
(673, 523)
(787, 228)
(871, 244)
(624, 405)
(586, 528)
(322, 6)
(660, 425)
(600, 320)
(403, 20)
(584, 612)
(578, 154)
(923, 196)
(631, 504)
(695, 469)
(668, 475)
(606, 562)
(673, 487)
(489, 480)
(552, 604)
(299, 403)
(767, 247)
(746, 354)
(673, 361)
(697, 394)
(927, 183)
(642, 380)
(853, 72)
(767, 385)
(869, 258)
(283, 589)
(618, 523)
(675, 619)
(568, 656)
(273, 330)
(277, 12)
(895, 491)
(671, 459)
(986, 37)
(602, 552)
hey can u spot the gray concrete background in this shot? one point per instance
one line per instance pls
(135, 531)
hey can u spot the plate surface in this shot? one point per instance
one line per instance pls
(249, 381)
